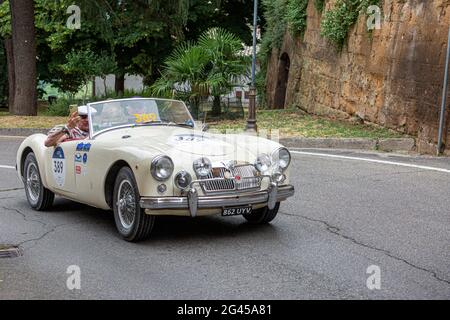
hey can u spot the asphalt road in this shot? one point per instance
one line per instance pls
(346, 215)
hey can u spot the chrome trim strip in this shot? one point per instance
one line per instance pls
(282, 193)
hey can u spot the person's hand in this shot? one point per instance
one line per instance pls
(73, 120)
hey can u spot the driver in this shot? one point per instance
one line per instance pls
(77, 128)
(136, 108)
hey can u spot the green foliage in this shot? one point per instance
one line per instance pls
(260, 83)
(60, 107)
(195, 70)
(279, 15)
(274, 12)
(337, 21)
(226, 64)
(136, 36)
(296, 16)
(320, 5)
(3, 75)
(5, 20)
(86, 64)
(235, 16)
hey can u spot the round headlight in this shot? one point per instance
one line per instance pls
(282, 158)
(161, 168)
(182, 180)
(263, 163)
(202, 167)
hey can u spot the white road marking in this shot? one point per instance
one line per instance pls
(334, 156)
(7, 167)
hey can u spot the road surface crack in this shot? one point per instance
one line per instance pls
(335, 230)
(42, 236)
(24, 216)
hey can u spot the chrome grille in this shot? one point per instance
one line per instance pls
(246, 172)
(248, 179)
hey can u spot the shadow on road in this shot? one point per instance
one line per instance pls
(171, 228)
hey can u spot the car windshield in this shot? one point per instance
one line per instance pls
(138, 112)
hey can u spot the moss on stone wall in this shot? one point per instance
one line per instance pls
(337, 21)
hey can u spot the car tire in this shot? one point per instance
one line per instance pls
(131, 220)
(38, 196)
(262, 215)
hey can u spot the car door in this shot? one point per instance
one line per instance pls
(61, 168)
(84, 171)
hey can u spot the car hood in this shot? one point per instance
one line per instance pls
(178, 141)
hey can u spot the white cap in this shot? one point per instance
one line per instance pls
(83, 110)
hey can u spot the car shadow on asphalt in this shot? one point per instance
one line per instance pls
(171, 228)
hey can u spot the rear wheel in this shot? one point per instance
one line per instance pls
(39, 197)
(263, 215)
(131, 221)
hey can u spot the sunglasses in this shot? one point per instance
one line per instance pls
(83, 117)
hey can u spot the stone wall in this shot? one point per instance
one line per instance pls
(392, 77)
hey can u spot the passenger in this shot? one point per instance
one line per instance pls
(77, 128)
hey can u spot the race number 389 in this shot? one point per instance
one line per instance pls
(59, 166)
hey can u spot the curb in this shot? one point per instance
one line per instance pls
(388, 145)
(21, 132)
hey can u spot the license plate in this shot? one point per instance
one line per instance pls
(236, 211)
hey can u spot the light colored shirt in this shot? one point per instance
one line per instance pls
(74, 133)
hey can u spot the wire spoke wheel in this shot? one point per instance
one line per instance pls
(126, 204)
(39, 197)
(33, 182)
(131, 220)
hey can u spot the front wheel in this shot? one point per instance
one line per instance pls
(131, 221)
(38, 196)
(263, 215)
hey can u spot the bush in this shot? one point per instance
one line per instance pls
(337, 22)
(320, 5)
(296, 16)
(60, 107)
(3, 75)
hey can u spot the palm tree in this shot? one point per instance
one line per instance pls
(211, 66)
(224, 50)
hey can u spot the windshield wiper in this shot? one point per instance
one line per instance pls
(182, 124)
(149, 122)
(168, 123)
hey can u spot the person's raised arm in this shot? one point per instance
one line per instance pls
(61, 133)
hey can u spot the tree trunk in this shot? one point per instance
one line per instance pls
(24, 51)
(11, 81)
(93, 87)
(120, 84)
(106, 88)
(216, 108)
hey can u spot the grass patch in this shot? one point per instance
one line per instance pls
(38, 122)
(290, 123)
(296, 123)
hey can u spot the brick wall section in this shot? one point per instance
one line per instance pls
(392, 77)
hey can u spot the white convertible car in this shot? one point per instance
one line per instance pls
(144, 157)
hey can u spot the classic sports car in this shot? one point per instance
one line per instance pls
(144, 157)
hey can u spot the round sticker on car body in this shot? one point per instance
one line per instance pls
(59, 166)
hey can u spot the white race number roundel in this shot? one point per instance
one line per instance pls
(59, 166)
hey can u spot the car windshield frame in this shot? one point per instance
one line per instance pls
(92, 135)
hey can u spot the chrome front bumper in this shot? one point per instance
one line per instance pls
(193, 201)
